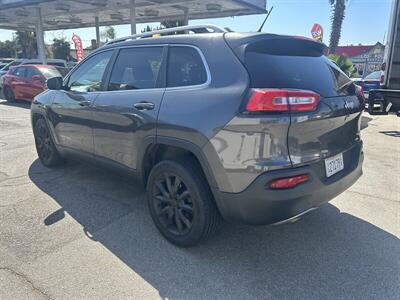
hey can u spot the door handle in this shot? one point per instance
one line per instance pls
(144, 105)
(85, 103)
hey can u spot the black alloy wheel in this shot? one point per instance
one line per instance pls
(181, 203)
(45, 148)
(173, 203)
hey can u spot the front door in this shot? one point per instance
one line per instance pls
(71, 110)
(127, 111)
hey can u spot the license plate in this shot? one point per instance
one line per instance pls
(334, 164)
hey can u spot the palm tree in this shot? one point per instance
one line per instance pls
(338, 9)
(26, 40)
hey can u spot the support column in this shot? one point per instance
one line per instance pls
(96, 21)
(133, 16)
(40, 37)
(185, 17)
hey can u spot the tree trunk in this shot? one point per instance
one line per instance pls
(337, 21)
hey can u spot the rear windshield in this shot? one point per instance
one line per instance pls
(308, 71)
(50, 72)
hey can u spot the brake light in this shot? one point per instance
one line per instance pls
(289, 182)
(275, 100)
(360, 92)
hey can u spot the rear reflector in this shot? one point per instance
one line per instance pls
(275, 100)
(288, 182)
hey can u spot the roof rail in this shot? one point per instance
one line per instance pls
(194, 28)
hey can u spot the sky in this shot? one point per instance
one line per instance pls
(366, 22)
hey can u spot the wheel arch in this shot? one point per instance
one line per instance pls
(155, 149)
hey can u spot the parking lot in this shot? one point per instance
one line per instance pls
(78, 232)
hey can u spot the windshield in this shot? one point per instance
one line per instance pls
(374, 75)
(11, 64)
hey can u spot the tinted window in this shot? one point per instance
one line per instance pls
(19, 72)
(32, 72)
(136, 68)
(89, 75)
(302, 70)
(374, 75)
(185, 67)
(50, 72)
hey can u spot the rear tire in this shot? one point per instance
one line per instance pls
(181, 203)
(45, 148)
(9, 94)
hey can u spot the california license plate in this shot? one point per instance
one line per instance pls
(334, 164)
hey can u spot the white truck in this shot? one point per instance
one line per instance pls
(382, 100)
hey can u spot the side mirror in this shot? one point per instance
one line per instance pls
(55, 83)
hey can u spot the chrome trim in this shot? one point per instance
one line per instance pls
(294, 218)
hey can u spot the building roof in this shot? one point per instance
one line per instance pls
(67, 14)
(351, 51)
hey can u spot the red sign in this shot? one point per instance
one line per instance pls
(317, 32)
(78, 46)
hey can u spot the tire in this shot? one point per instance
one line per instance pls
(45, 148)
(187, 201)
(9, 94)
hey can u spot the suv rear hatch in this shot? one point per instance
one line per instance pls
(298, 66)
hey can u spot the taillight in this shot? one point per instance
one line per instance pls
(275, 100)
(360, 93)
(289, 182)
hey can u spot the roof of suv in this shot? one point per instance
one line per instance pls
(235, 39)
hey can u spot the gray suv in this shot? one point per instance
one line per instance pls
(249, 127)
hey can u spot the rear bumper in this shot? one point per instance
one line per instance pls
(258, 205)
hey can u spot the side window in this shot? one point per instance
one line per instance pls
(19, 72)
(136, 68)
(88, 76)
(185, 67)
(31, 71)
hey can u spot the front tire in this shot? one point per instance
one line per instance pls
(45, 147)
(180, 202)
(9, 94)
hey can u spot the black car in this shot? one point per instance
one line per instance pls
(256, 128)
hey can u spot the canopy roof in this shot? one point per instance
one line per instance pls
(68, 14)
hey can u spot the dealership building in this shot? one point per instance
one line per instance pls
(44, 15)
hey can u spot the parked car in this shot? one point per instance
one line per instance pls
(27, 81)
(252, 127)
(370, 82)
(53, 62)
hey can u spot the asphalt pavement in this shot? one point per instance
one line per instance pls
(78, 232)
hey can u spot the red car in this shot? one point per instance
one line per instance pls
(26, 81)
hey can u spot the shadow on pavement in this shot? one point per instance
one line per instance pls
(17, 103)
(364, 122)
(392, 133)
(328, 254)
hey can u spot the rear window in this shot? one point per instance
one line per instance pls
(50, 72)
(296, 68)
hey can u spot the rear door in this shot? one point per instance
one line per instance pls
(127, 112)
(297, 64)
